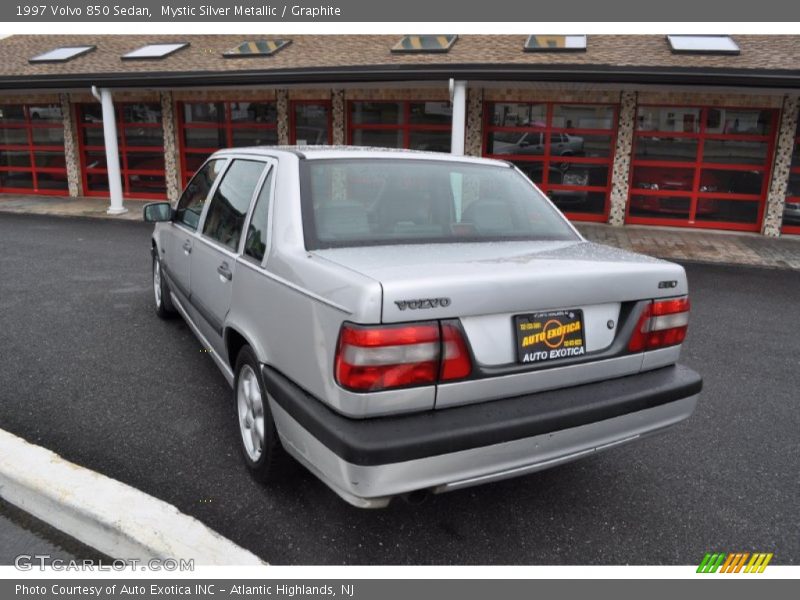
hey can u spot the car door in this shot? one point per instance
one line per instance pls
(179, 236)
(557, 146)
(213, 264)
(533, 144)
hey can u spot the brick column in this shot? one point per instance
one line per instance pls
(171, 147)
(282, 101)
(622, 158)
(337, 117)
(473, 145)
(73, 162)
(776, 197)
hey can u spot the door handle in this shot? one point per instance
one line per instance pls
(224, 271)
(187, 246)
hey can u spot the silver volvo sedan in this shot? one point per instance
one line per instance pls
(408, 322)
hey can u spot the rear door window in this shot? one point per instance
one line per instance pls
(228, 208)
(256, 242)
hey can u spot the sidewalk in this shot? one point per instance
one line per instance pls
(68, 207)
(671, 243)
(699, 245)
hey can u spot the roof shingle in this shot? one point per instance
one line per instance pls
(205, 53)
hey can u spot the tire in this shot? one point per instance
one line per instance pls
(163, 302)
(261, 447)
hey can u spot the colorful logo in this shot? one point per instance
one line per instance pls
(549, 335)
(734, 562)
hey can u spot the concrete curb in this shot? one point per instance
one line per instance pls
(110, 516)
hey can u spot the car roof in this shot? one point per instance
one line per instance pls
(328, 152)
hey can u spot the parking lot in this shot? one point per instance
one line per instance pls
(90, 372)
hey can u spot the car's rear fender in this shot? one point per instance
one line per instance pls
(293, 312)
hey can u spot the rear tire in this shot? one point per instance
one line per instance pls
(163, 302)
(261, 447)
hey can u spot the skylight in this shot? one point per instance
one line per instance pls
(257, 48)
(62, 54)
(154, 51)
(702, 44)
(555, 43)
(425, 43)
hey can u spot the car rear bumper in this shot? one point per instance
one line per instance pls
(369, 461)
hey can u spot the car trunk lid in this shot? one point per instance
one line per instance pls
(489, 286)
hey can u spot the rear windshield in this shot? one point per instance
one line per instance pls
(368, 202)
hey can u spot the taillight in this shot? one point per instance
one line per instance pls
(456, 363)
(662, 323)
(372, 358)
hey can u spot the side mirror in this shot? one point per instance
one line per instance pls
(157, 212)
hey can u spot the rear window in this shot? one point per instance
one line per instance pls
(369, 202)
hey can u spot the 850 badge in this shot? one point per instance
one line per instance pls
(549, 335)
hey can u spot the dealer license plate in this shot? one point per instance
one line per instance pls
(551, 335)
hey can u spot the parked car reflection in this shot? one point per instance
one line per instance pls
(533, 142)
(573, 175)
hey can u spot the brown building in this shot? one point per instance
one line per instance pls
(688, 131)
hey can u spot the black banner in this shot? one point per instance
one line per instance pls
(371, 589)
(303, 11)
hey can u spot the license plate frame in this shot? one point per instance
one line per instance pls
(550, 335)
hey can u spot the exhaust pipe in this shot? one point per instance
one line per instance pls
(416, 498)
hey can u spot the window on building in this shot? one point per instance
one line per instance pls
(154, 51)
(791, 211)
(310, 122)
(257, 48)
(566, 149)
(417, 125)
(555, 43)
(206, 127)
(425, 43)
(32, 149)
(140, 137)
(702, 44)
(62, 54)
(701, 166)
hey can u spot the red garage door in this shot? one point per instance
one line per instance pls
(206, 127)
(566, 149)
(791, 213)
(32, 149)
(701, 166)
(419, 125)
(141, 149)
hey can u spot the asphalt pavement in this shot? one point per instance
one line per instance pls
(88, 371)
